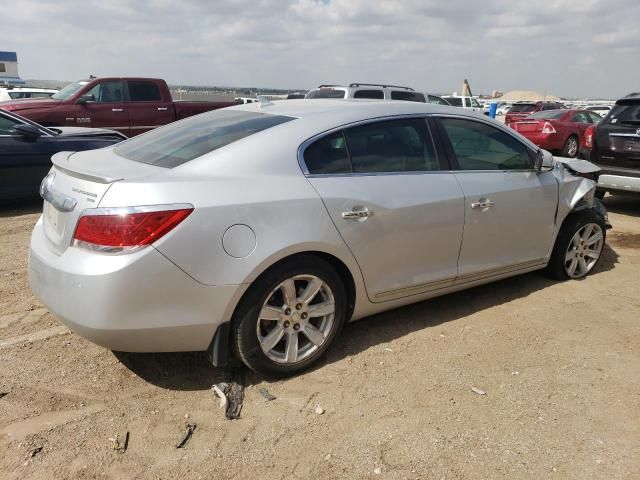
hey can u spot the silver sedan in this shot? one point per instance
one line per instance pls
(259, 230)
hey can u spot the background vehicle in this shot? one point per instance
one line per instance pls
(367, 90)
(464, 102)
(26, 149)
(17, 93)
(295, 96)
(128, 105)
(601, 110)
(519, 110)
(436, 100)
(268, 223)
(557, 130)
(614, 145)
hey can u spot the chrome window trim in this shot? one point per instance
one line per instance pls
(500, 127)
(303, 146)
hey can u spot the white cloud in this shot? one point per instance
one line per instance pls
(565, 47)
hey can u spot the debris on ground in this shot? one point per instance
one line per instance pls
(120, 447)
(36, 451)
(231, 394)
(191, 427)
(220, 391)
(265, 393)
(377, 471)
(4, 393)
(319, 410)
(478, 391)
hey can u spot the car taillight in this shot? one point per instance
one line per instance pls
(587, 139)
(548, 128)
(116, 230)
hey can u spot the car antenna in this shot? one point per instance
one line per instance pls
(264, 101)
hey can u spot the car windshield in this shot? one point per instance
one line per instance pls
(548, 114)
(625, 112)
(326, 93)
(68, 91)
(522, 108)
(181, 142)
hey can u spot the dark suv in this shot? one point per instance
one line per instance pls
(614, 145)
(519, 110)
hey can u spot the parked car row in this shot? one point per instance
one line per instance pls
(373, 91)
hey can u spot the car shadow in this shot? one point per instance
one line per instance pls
(191, 371)
(624, 204)
(18, 208)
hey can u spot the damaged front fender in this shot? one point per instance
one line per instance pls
(577, 180)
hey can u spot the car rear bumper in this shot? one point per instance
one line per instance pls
(139, 302)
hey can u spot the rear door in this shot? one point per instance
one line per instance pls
(146, 107)
(398, 211)
(509, 207)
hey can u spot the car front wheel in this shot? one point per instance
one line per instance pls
(578, 247)
(289, 317)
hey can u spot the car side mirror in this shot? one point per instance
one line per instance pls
(543, 161)
(84, 99)
(28, 131)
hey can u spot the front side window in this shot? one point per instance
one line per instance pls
(455, 101)
(374, 94)
(595, 118)
(7, 125)
(327, 93)
(144, 91)
(391, 146)
(183, 141)
(407, 96)
(437, 100)
(474, 103)
(478, 146)
(581, 117)
(106, 92)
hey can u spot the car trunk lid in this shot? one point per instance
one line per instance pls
(78, 181)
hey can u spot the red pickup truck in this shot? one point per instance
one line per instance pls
(129, 105)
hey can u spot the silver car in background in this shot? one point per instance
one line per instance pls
(259, 230)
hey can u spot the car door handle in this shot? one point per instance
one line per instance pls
(162, 109)
(356, 214)
(117, 110)
(483, 205)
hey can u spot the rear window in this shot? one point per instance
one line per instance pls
(549, 114)
(522, 108)
(408, 96)
(326, 93)
(181, 142)
(625, 112)
(456, 102)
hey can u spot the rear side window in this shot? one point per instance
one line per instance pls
(478, 146)
(522, 108)
(581, 117)
(437, 100)
(456, 102)
(391, 146)
(326, 93)
(328, 155)
(183, 141)
(144, 92)
(375, 94)
(407, 96)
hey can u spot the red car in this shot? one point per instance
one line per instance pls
(557, 130)
(520, 110)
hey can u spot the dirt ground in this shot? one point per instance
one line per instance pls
(559, 362)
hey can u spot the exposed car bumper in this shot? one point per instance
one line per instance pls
(139, 302)
(619, 183)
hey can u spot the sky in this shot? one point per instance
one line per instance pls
(569, 48)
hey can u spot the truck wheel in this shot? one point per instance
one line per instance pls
(289, 317)
(578, 247)
(571, 147)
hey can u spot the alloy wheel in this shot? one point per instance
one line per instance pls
(296, 319)
(584, 250)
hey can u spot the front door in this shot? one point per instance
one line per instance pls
(106, 109)
(398, 212)
(509, 208)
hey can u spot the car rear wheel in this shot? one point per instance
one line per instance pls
(571, 147)
(578, 247)
(290, 317)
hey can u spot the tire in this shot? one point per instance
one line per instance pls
(264, 310)
(571, 147)
(561, 263)
(600, 194)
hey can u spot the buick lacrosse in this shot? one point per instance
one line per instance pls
(259, 230)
